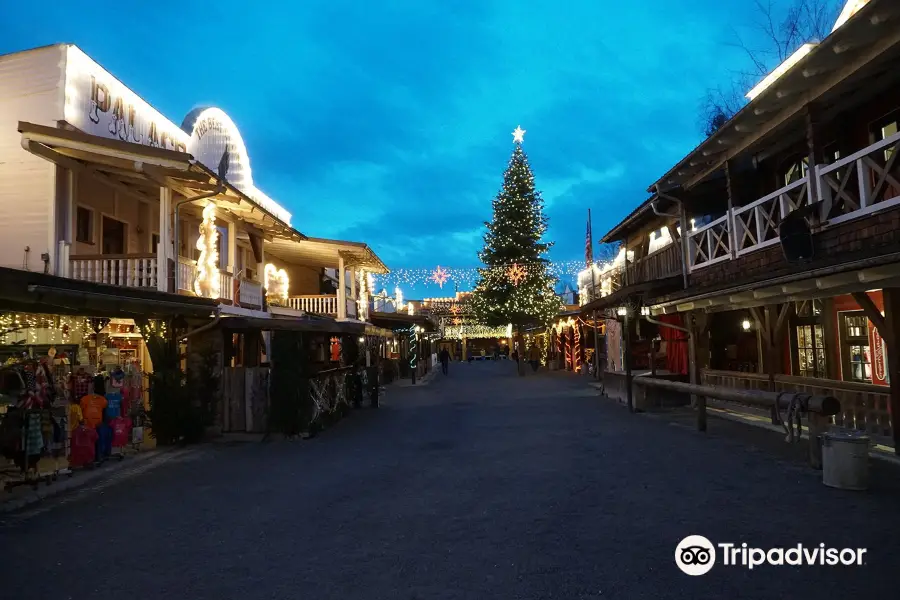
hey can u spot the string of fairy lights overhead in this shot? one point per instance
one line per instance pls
(465, 278)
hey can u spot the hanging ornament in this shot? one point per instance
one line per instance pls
(440, 276)
(516, 274)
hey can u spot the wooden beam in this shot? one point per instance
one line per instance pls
(76, 165)
(884, 41)
(892, 328)
(824, 283)
(872, 313)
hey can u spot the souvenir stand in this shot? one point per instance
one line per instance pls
(33, 421)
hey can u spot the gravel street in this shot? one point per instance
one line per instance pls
(480, 485)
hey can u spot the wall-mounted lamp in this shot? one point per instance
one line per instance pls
(362, 340)
(645, 311)
(745, 325)
(621, 311)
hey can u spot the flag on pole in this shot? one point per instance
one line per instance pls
(589, 243)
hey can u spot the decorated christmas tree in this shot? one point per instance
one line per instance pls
(514, 285)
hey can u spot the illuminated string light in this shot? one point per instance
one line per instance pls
(208, 282)
(277, 284)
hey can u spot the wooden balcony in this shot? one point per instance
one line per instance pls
(661, 264)
(248, 293)
(321, 305)
(124, 270)
(848, 189)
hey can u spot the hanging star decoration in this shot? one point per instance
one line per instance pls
(440, 276)
(516, 274)
(455, 309)
(518, 135)
(457, 321)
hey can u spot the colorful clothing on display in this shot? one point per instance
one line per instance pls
(92, 407)
(75, 416)
(104, 440)
(84, 446)
(121, 428)
(82, 385)
(113, 405)
(33, 438)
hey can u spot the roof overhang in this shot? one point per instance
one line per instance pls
(857, 276)
(139, 171)
(324, 253)
(869, 38)
(25, 291)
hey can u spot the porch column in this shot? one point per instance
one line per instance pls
(892, 327)
(626, 338)
(342, 290)
(164, 251)
(353, 275)
(232, 248)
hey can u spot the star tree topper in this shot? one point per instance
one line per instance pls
(440, 276)
(518, 135)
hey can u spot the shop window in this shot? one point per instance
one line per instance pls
(84, 225)
(808, 353)
(855, 351)
(113, 236)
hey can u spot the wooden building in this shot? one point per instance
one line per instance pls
(776, 241)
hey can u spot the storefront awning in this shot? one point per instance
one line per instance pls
(24, 291)
(246, 324)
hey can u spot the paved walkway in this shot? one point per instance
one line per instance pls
(480, 485)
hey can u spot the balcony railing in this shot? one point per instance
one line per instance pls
(861, 183)
(710, 244)
(665, 262)
(187, 271)
(320, 305)
(850, 188)
(125, 270)
(756, 224)
(250, 293)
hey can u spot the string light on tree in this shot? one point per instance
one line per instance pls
(515, 285)
(207, 284)
(439, 276)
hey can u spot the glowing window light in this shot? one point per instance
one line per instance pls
(783, 68)
(208, 284)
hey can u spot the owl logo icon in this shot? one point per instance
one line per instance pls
(695, 555)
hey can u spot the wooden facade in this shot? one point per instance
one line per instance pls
(817, 312)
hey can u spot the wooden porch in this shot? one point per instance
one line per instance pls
(864, 407)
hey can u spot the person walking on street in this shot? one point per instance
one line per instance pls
(534, 357)
(445, 361)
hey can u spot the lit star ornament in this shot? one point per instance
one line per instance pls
(518, 135)
(516, 274)
(440, 276)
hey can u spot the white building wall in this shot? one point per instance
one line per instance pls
(32, 89)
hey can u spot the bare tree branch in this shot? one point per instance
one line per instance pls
(803, 21)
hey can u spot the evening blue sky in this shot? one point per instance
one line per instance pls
(390, 122)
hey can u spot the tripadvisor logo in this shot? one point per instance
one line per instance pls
(696, 555)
